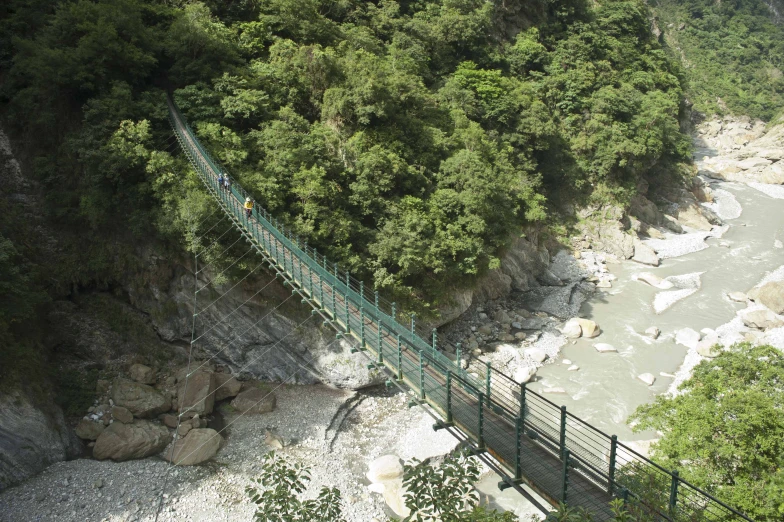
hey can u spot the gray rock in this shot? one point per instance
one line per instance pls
(169, 420)
(197, 393)
(762, 319)
(652, 332)
(141, 373)
(89, 430)
(226, 386)
(588, 327)
(121, 442)
(198, 446)
(687, 337)
(604, 348)
(122, 414)
(571, 329)
(536, 354)
(771, 295)
(254, 400)
(647, 378)
(141, 400)
(739, 297)
(644, 254)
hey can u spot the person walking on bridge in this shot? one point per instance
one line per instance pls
(248, 207)
(227, 184)
(220, 181)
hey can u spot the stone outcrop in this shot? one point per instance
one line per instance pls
(122, 414)
(121, 442)
(761, 318)
(644, 254)
(31, 438)
(254, 400)
(199, 445)
(141, 400)
(226, 386)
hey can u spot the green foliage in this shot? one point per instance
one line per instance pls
(408, 141)
(446, 492)
(620, 514)
(276, 495)
(728, 425)
(733, 54)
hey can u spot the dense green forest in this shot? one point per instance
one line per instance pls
(732, 53)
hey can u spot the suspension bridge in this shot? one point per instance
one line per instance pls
(533, 441)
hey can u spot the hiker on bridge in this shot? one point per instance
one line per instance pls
(248, 207)
(220, 180)
(227, 183)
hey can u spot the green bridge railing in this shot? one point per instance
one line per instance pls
(539, 443)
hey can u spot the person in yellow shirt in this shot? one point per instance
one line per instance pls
(248, 207)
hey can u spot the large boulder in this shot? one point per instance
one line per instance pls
(254, 400)
(761, 318)
(141, 400)
(385, 468)
(226, 386)
(589, 328)
(691, 215)
(199, 445)
(571, 329)
(196, 394)
(141, 373)
(771, 295)
(604, 348)
(122, 414)
(644, 254)
(121, 442)
(524, 374)
(89, 430)
(687, 337)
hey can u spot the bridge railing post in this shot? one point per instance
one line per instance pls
(673, 492)
(562, 441)
(487, 380)
(519, 428)
(449, 396)
(611, 470)
(481, 421)
(380, 327)
(399, 359)
(565, 476)
(421, 375)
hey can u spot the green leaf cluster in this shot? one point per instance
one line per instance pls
(277, 490)
(724, 431)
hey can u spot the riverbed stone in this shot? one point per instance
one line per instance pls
(571, 329)
(760, 318)
(653, 280)
(198, 446)
(589, 328)
(771, 295)
(554, 390)
(387, 467)
(647, 378)
(687, 337)
(121, 414)
(644, 254)
(121, 442)
(226, 386)
(778, 244)
(653, 332)
(89, 430)
(168, 420)
(573, 368)
(254, 400)
(141, 373)
(536, 354)
(604, 348)
(196, 394)
(739, 297)
(524, 374)
(140, 399)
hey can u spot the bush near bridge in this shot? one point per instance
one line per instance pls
(725, 432)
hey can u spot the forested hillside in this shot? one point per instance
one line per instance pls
(732, 53)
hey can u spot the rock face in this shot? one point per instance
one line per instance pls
(197, 393)
(254, 400)
(121, 442)
(31, 438)
(199, 445)
(141, 400)
(771, 295)
(89, 430)
(141, 373)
